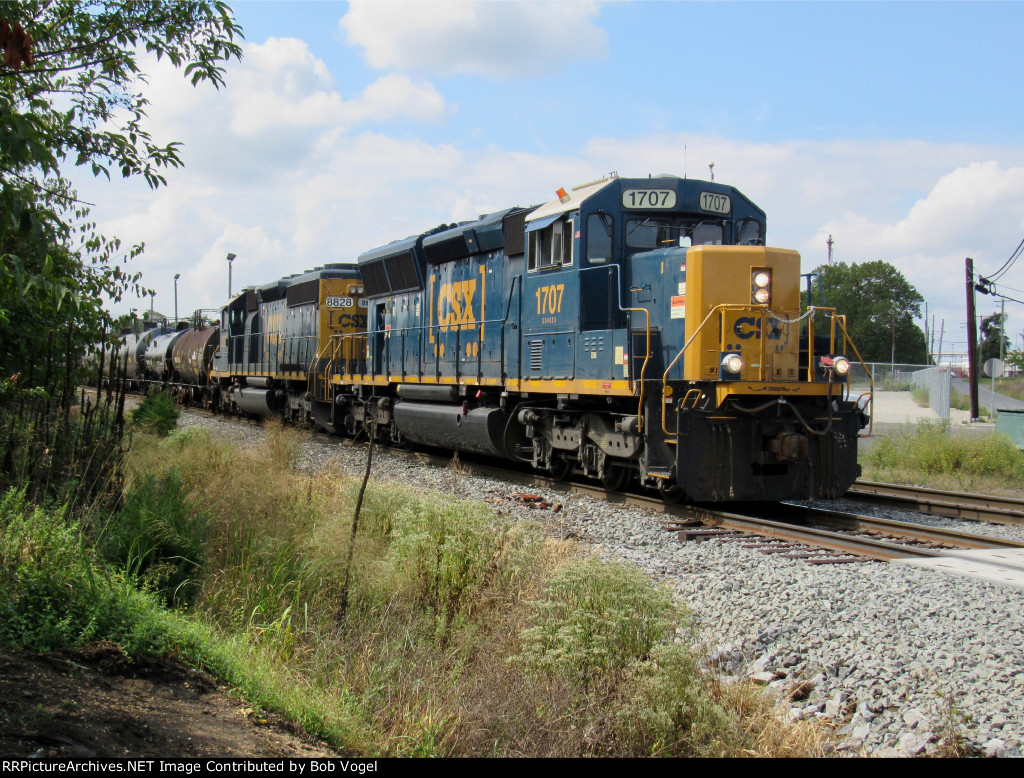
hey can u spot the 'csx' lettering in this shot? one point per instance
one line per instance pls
(455, 305)
(747, 327)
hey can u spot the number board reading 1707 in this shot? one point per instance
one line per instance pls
(648, 198)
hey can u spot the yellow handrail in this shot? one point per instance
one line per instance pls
(720, 310)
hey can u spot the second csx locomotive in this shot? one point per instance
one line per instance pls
(630, 328)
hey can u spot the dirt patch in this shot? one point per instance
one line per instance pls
(92, 702)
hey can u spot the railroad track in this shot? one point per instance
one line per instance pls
(934, 502)
(847, 534)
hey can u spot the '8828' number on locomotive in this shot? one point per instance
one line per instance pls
(345, 302)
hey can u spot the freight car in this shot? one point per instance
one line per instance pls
(630, 329)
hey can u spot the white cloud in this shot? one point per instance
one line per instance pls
(288, 173)
(276, 103)
(488, 38)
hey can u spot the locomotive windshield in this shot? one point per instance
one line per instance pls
(749, 232)
(666, 232)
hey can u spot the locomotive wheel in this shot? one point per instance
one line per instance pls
(614, 478)
(561, 469)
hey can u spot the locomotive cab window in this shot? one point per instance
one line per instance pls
(551, 245)
(599, 238)
(652, 233)
(748, 232)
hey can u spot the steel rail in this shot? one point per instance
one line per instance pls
(835, 541)
(920, 532)
(935, 502)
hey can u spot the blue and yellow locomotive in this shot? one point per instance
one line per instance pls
(629, 329)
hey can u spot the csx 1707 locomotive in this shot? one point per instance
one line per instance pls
(629, 329)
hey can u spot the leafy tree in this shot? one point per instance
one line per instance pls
(71, 94)
(880, 306)
(993, 336)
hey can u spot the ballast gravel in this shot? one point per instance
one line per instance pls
(892, 656)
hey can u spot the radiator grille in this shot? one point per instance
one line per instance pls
(536, 356)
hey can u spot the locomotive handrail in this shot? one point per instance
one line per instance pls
(720, 310)
(840, 319)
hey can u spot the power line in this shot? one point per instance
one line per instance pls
(1006, 265)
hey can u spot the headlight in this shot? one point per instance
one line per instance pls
(761, 286)
(732, 363)
(841, 365)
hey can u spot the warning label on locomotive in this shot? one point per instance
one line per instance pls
(679, 307)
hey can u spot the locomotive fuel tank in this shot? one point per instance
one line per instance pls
(454, 427)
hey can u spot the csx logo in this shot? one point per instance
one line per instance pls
(747, 327)
(455, 305)
(354, 320)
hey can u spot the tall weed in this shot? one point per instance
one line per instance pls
(57, 592)
(157, 413)
(931, 449)
(596, 619)
(158, 537)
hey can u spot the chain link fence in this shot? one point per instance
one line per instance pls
(936, 380)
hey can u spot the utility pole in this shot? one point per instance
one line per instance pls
(972, 340)
(927, 343)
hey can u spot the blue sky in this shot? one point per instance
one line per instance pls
(894, 127)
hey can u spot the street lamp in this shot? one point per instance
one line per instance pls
(176, 277)
(231, 258)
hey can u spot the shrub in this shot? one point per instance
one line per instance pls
(158, 413)
(596, 618)
(56, 592)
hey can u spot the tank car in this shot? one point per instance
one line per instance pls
(191, 357)
(158, 356)
(630, 328)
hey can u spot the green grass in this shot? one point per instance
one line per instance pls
(464, 635)
(931, 453)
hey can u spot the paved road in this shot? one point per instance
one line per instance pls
(985, 395)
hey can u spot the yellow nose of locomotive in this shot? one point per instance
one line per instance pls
(739, 300)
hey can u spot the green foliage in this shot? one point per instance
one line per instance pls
(56, 592)
(670, 710)
(80, 102)
(596, 619)
(932, 449)
(993, 339)
(158, 538)
(157, 413)
(77, 101)
(880, 305)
